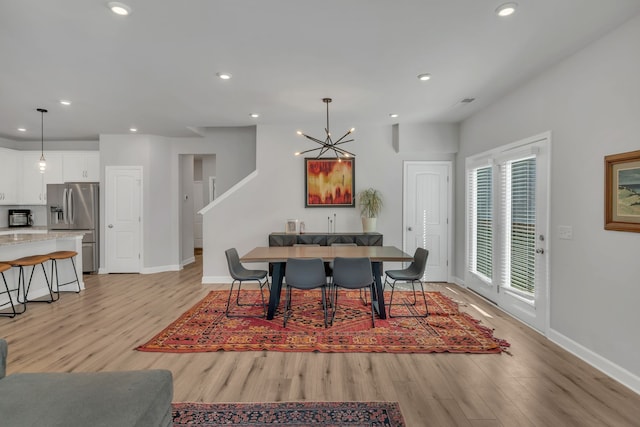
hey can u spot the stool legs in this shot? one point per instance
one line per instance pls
(26, 287)
(54, 271)
(8, 292)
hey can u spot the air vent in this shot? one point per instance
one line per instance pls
(467, 100)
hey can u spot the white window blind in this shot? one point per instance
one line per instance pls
(481, 222)
(520, 193)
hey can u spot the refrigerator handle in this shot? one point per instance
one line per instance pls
(71, 215)
(64, 206)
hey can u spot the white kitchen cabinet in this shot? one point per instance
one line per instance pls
(9, 167)
(81, 166)
(34, 183)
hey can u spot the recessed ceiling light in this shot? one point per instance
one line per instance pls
(254, 115)
(424, 77)
(133, 129)
(224, 76)
(22, 130)
(393, 115)
(506, 9)
(65, 102)
(119, 8)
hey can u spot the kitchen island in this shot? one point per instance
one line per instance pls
(20, 242)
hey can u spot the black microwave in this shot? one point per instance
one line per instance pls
(20, 218)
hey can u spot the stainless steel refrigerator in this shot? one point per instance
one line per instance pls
(75, 206)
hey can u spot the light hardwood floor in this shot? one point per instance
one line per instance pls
(537, 384)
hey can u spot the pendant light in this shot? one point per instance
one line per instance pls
(328, 144)
(42, 164)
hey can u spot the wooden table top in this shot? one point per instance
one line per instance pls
(327, 253)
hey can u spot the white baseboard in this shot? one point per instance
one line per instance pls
(160, 269)
(458, 281)
(216, 279)
(616, 372)
(188, 261)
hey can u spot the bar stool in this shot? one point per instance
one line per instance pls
(62, 255)
(4, 267)
(30, 261)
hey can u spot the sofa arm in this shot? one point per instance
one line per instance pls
(3, 358)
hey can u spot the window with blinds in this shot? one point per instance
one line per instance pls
(482, 224)
(521, 188)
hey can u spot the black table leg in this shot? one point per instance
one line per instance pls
(276, 287)
(378, 298)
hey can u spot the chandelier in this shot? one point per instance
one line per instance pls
(328, 144)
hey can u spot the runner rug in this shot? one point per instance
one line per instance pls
(204, 327)
(288, 414)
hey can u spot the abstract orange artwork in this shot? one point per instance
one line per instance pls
(329, 182)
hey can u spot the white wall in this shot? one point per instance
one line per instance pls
(245, 218)
(160, 159)
(591, 104)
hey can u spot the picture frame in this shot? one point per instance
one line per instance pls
(291, 226)
(329, 182)
(622, 192)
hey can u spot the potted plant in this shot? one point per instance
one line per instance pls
(370, 201)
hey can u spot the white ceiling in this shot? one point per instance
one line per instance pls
(156, 69)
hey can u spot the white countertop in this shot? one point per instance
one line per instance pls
(17, 236)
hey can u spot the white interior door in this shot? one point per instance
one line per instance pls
(427, 196)
(123, 214)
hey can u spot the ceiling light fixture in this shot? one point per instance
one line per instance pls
(65, 102)
(328, 143)
(42, 164)
(224, 76)
(424, 77)
(506, 9)
(133, 129)
(254, 115)
(119, 8)
(393, 115)
(22, 129)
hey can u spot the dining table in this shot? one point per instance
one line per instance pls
(278, 255)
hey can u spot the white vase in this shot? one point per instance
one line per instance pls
(368, 225)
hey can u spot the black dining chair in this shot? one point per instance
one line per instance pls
(305, 274)
(351, 273)
(241, 274)
(412, 274)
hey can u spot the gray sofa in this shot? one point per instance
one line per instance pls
(133, 398)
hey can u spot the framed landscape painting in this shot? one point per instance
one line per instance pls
(622, 192)
(329, 183)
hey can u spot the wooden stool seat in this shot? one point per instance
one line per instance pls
(62, 254)
(4, 267)
(30, 261)
(59, 256)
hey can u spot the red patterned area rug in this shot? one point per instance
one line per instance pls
(204, 327)
(288, 414)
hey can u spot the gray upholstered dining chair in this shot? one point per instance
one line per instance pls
(351, 273)
(305, 274)
(241, 274)
(412, 274)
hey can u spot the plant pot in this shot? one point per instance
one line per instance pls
(368, 225)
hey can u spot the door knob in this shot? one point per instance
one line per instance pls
(540, 251)
(110, 226)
